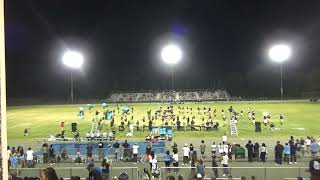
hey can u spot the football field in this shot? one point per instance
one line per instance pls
(301, 119)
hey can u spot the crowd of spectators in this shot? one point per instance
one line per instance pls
(165, 96)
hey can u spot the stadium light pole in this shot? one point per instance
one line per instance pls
(73, 60)
(171, 54)
(280, 53)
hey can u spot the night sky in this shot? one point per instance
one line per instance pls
(224, 43)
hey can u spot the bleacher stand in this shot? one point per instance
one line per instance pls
(166, 96)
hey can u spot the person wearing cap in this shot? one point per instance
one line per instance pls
(135, 152)
(186, 153)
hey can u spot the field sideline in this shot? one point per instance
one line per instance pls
(45, 119)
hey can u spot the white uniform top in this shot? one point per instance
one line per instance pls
(186, 151)
(154, 163)
(135, 149)
(29, 155)
(224, 138)
(220, 149)
(308, 142)
(225, 148)
(175, 157)
(213, 147)
(225, 160)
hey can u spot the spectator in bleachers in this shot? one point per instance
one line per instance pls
(64, 154)
(29, 158)
(105, 166)
(48, 174)
(45, 152)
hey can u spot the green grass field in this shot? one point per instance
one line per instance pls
(44, 120)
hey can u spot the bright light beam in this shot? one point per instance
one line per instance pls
(72, 59)
(171, 54)
(280, 53)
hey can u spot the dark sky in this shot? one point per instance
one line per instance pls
(121, 40)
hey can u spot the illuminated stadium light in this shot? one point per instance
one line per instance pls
(280, 53)
(72, 59)
(171, 54)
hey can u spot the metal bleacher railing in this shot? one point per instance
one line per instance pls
(82, 172)
(134, 173)
(261, 173)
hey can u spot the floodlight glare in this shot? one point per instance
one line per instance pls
(171, 54)
(72, 59)
(280, 53)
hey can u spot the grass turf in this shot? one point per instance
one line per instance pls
(45, 119)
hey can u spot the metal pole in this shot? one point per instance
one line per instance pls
(3, 100)
(71, 87)
(281, 88)
(172, 80)
(172, 83)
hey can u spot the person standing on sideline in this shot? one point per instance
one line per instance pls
(116, 147)
(175, 161)
(167, 160)
(286, 153)
(186, 153)
(202, 149)
(233, 152)
(213, 148)
(278, 150)
(29, 158)
(308, 143)
(101, 151)
(105, 166)
(263, 152)
(201, 168)
(249, 147)
(293, 149)
(225, 165)
(224, 138)
(298, 145)
(256, 151)
(302, 141)
(314, 148)
(214, 166)
(148, 151)
(89, 152)
(135, 152)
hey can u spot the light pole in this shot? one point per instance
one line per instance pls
(280, 53)
(73, 60)
(171, 54)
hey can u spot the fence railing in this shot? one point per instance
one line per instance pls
(82, 172)
(134, 173)
(261, 173)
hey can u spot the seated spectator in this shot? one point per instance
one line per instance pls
(48, 174)
(64, 154)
